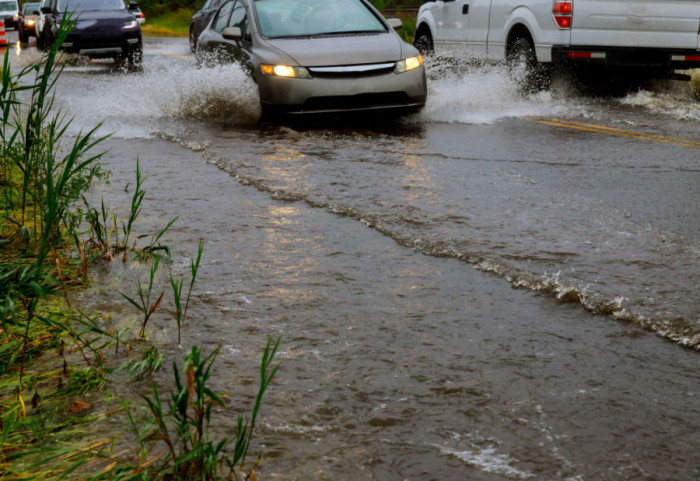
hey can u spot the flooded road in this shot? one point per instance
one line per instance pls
(497, 288)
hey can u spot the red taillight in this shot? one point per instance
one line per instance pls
(142, 15)
(563, 12)
(561, 8)
(579, 55)
(685, 58)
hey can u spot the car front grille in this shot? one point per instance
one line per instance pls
(354, 102)
(353, 71)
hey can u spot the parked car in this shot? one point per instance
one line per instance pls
(104, 29)
(201, 19)
(136, 11)
(39, 24)
(27, 21)
(648, 37)
(9, 13)
(316, 56)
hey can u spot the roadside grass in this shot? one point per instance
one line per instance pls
(55, 360)
(168, 24)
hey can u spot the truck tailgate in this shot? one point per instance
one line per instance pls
(644, 24)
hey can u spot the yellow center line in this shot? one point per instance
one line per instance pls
(176, 55)
(631, 134)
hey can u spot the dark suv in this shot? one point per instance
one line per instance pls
(104, 29)
(201, 19)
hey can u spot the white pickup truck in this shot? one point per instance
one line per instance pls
(653, 37)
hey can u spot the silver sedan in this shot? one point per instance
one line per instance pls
(317, 56)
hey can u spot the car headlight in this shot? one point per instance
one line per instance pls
(30, 22)
(410, 63)
(285, 71)
(130, 24)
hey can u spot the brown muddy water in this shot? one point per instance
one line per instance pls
(468, 293)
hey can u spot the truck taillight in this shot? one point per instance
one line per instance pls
(563, 12)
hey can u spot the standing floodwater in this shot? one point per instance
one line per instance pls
(496, 288)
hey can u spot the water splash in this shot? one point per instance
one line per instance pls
(484, 94)
(677, 104)
(480, 95)
(145, 105)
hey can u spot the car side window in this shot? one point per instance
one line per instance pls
(222, 15)
(239, 18)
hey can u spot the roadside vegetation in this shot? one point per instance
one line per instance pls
(55, 360)
(172, 18)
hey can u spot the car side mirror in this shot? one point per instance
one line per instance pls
(395, 23)
(45, 9)
(232, 33)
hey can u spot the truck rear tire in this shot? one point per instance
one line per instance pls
(525, 71)
(424, 42)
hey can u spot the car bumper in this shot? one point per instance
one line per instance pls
(101, 47)
(28, 27)
(336, 93)
(656, 59)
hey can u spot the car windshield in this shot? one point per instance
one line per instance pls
(82, 5)
(30, 7)
(8, 6)
(302, 18)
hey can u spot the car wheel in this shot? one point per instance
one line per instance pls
(424, 42)
(135, 59)
(193, 41)
(524, 70)
(46, 41)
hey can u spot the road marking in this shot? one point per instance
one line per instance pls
(631, 134)
(176, 55)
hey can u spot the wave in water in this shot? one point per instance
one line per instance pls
(145, 104)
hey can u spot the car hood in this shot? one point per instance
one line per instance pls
(101, 16)
(340, 50)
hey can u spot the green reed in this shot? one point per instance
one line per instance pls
(102, 226)
(180, 312)
(182, 425)
(143, 302)
(39, 189)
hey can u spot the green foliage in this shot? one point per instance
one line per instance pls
(169, 23)
(81, 381)
(156, 8)
(398, 4)
(39, 189)
(41, 179)
(143, 303)
(183, 425)
(103, 227)
(180, 312)
(136, 205)
(150, 362)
